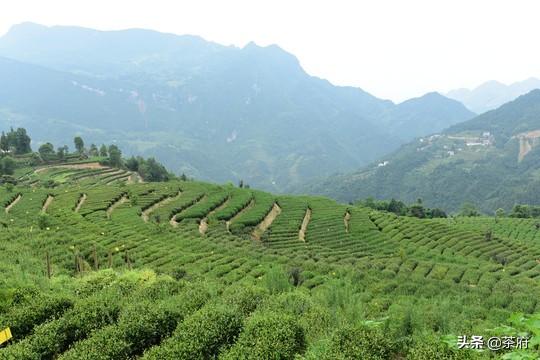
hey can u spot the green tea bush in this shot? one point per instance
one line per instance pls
(245, 299)
(360, 342)
(39, 309)
(107, 343)
(314, 318)
(276, 280)
(200, 336)
(52, 338)
(141, 324)
(268, 335)
(429, 348)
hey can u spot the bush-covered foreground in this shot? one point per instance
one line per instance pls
(174, 270)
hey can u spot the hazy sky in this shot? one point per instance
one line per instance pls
(393, 49)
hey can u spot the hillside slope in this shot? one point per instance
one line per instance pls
(492, 160)
(214, 112)
(236, 277)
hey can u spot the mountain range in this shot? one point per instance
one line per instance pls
(492, 94)
(492, 161)
(214, 112)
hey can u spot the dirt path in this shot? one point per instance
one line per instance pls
(12, 204)
(80, 203)
(268, 220)
(93, 165)
(346, 220)
(203, 225)
(116, 204)
(146, 213)
(47, 203)
(238, 214)
(305, 223)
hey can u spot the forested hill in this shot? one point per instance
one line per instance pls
(214, 112)
(492, 161)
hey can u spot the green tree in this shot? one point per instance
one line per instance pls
(397, 207)
(499, 213)
(436, 213)
(132, 164)
(4, 144)
(520, 211)
(115, 156)
(79, 144)
(469, 210)
(417, 210)
(93, 150)
(103, 151)
(46, 151)
(61, 152)
(22, 141)
(7, 166)
(151, 170)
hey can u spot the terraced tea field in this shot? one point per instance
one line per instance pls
(190, 270)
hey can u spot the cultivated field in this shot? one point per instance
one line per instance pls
(99, 267)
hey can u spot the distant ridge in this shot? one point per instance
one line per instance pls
(213, 112)
(492, 160)
(492, 94)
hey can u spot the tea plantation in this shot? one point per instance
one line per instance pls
(103, 266)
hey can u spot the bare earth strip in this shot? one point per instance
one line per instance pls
(203, 225)
(12, 204)
(136, 178)
(146, 213)
(246, 208)
(303, 228)
(527, 140)
(346, 220)
(47, 203)
(80, 203)
(173, 221)
(94, 165)
(268, 220)
(116, 204)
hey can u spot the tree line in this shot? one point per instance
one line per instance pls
(400, 208)
(16, 144)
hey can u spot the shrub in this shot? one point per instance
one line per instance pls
(360, 342)
(178, 273)
(44, 221)
(276, 280)
(54, 337)
(22, 320)
(295, 276)
(140, 325)
(245, 299)
(269, 335)
(201, 335)
(104, 344)
(430, 348)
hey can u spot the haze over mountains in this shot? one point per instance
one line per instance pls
(492, 94)
(215, 112)
(492, 161)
